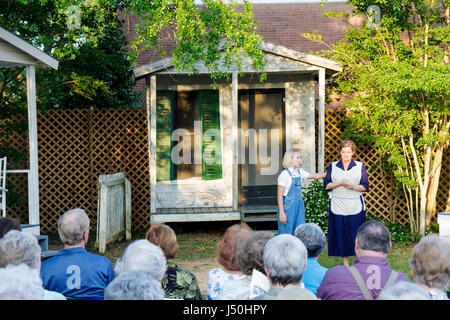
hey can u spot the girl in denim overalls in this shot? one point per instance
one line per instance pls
(291, 209)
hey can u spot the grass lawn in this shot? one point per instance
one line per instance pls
(397, 258)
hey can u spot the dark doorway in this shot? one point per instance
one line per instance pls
(261, 111)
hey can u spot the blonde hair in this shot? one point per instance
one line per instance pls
(287, 159)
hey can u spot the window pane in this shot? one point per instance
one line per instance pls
(184, 116)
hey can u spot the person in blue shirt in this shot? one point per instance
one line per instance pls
(315, 241)
(74, 272)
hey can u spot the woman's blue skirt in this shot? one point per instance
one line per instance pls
(342, 233)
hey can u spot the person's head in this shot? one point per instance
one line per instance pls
(18, 247)
(312, 237)
(20, 282)
(250, 252)
(227, 247)
(8, 223)
(134, 285)
(404, 290)
(73, 227)
(292, 158)
(285, 259)
(164, 237)
(372, 238)
(347, 149)
(142, 255)
(430, 262)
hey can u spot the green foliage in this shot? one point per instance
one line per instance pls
(316, 204)
(220, 34)
(88, 43)
(92, 72)
(399, 90)
(401, 234)
(317, 211)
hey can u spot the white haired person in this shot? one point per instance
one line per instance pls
(18, 247)
(315, 242)
(430, 265)
(291, 208)
(134, 285)
(285, 259)
(20, 282)
(404, 291)
(143, 255)
(74, 272)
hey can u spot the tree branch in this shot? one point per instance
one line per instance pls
(416, 162)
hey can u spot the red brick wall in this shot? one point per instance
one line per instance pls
(278, 23)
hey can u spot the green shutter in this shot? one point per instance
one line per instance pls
(164, 167)
(208, 104)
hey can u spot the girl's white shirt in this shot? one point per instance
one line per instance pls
(285, 180)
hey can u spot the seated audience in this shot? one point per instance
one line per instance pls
(74, 272)
(8, 223)
(142, 255)
(20, 282)
(177, 283)
(227, 247)
(404, 291)
(134, 285)
(18, 247)
(250, 258)
(285, 259)
(370, 272)
(315, 242)
(430, 265)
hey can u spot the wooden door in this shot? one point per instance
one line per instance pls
(261, 111)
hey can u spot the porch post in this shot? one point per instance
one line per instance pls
(321, 151)
(234, 108)
(151, 127)
(33, 175)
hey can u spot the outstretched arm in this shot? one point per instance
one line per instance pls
(317, 175)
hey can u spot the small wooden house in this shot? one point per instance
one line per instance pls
(215, 153)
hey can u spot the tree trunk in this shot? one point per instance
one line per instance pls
(434, 184)
(389, 190)
(422, 212)
(447, 22)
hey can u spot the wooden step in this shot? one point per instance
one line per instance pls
(43, 242)
(245, 219)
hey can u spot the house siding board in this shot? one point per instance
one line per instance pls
(300, 120)
(194, 192)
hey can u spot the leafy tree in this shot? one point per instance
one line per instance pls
(219, 32)
(93, 64)
(88, 41)
(397, 80)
